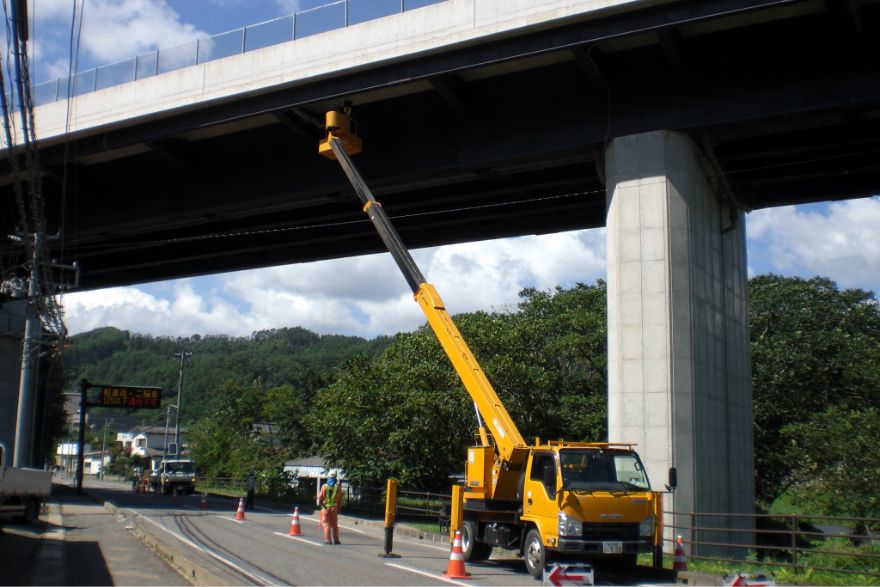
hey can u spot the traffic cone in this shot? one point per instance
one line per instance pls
(203, 503)
(295, 530)
(681, 563)
(239, 515)
(174, 494)
(456, 560)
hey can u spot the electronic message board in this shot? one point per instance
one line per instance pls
(123, 396)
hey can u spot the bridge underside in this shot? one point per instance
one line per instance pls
(497, 139)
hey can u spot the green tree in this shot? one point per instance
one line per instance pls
(285, 409)
(814, 347)
(406, 414)
(226, 444)
(278, 357)
(838, 457)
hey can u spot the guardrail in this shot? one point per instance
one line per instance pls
(799, 542)
(221, 484)
(331, 16)
(412, 506)
(802, 543)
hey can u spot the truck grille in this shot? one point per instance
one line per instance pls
(611, 531)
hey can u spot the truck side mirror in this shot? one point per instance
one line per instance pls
(673, 479)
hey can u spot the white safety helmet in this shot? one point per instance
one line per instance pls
(332, 475)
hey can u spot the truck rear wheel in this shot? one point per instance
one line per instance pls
(31, 511)
(472, 549)
(534, 554)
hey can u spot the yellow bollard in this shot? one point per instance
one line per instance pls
(390, 511)
(457, 513)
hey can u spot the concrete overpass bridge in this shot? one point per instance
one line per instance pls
(665, 121)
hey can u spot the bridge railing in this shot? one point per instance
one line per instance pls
(331, 16)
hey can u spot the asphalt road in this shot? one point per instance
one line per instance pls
(259, 551)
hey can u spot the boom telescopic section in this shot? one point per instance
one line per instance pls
(511, 447)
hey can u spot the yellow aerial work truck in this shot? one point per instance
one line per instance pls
(548, 500)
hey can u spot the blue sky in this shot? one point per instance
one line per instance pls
(366, 296)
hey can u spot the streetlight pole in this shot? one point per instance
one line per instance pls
(183, 355)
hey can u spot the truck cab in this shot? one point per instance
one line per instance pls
(587, 501)
(171, 474)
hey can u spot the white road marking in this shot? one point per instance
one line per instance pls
(358, 530)
(298, 539)
(424, 544)
(427, 574)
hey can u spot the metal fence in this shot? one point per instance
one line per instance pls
(799, 542)
(313, 21)
(221, 484)
(412, 506)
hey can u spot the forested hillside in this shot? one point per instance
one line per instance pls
(286, 356)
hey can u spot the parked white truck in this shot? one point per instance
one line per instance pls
(22, 490)
(176, 473)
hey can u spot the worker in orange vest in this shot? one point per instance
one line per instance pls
(330, 501)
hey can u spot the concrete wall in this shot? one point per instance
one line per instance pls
(11, 333)
(429, 29)
(679, 367)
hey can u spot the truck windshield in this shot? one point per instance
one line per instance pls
(602, 470)
(179, 468)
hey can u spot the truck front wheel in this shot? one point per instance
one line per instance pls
(534, 554)
(626, 564)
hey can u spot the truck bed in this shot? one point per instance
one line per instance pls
(16, 482)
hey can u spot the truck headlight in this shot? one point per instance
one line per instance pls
(569, 526)
(646, 527)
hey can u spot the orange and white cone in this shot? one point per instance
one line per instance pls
(239, 515)
(681, 563)
(174, 494)
(203, 502)
(295, 530)
(456, 560)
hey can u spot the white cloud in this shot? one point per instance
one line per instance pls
(112, 30)
(367, 295)
(840, 240)
(291, 6)
(363, 296)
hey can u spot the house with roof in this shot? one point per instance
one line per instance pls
(312, 472)
(149, 441)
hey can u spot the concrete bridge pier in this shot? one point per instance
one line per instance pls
(679, 370)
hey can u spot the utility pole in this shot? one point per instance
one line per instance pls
(183, 355)
(25, 417)
(167, 419)
(103, 445)
(23, 452)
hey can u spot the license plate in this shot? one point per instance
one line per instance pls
(612, 548)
